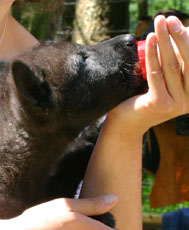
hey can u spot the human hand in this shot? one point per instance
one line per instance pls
(168, 81)
(63, 214)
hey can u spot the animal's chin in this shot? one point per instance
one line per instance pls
(137, 68)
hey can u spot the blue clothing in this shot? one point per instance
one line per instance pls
(178, 220)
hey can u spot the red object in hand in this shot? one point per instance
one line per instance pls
(140, 45)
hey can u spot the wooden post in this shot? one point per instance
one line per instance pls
(152, 221)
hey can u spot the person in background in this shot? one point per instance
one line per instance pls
(14, 38)
(116, 163)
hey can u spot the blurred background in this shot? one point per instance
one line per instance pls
(93, 20)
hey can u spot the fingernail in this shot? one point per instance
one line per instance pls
(174, 23)
(153, 41)
(109, 199)
(161, 22)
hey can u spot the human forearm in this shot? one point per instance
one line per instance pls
(117, 156)
(115, 167)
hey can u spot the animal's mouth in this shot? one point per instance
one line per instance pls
(140, 66)
(137, 69)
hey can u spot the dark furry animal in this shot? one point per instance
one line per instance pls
(48, 95)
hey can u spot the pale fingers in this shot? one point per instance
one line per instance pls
(154, 73)
(89, 206)
(169, 63)
(59, 214)
(181, 37)
(79, 221)
(69, 221)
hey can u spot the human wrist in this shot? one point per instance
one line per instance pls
(132, 128)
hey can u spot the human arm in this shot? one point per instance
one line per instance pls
(116, 159)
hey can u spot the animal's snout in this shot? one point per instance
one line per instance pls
(128, 39)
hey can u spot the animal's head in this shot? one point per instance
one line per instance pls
(69, 86)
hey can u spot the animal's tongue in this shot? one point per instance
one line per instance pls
(141, 57)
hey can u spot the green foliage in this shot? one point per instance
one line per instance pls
(154, 6)
(36, 20)
(133, 10)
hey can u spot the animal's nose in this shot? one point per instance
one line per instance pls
(128, 39)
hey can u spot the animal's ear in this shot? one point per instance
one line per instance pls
(30, 86)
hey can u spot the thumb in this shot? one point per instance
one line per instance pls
(92, 206)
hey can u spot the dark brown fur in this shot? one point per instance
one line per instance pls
(48, 95)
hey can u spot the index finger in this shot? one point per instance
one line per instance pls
(181, 37)
(169, 62)
(154, 74)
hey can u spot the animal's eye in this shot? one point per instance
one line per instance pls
(83, 56)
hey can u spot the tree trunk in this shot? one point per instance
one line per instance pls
(92, 20)
(97, 20)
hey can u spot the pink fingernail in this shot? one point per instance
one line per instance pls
(161, 19)
(174, 23)
(108, 199)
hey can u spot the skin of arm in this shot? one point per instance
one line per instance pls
(116, 164)
(16, 38)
